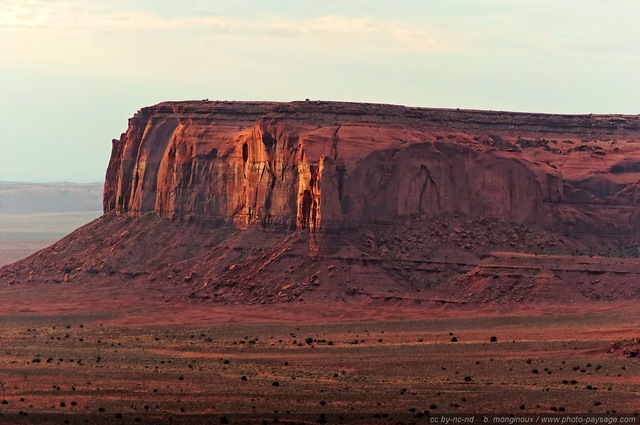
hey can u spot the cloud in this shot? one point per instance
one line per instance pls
(114, 37)
(73, 15)
(82, 15)
(345, 29)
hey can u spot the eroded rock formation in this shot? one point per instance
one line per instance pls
(271, 202)
(326, 165)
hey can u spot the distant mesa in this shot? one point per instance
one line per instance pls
(33, 215)
(35, 198)
(272, 202)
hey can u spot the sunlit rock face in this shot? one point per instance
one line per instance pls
(256, 202)
(328, 165)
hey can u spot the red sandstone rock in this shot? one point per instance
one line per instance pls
(257, 202)
(323, 164)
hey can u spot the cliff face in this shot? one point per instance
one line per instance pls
(327, 165)
(377, 203)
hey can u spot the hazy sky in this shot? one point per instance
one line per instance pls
(73, 71)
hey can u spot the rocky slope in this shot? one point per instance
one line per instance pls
(260, 202)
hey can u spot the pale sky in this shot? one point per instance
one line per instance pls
(73, 71)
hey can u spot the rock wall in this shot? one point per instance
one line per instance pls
(324, 165)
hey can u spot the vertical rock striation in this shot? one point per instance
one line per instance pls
(323, 165)
(441, 207)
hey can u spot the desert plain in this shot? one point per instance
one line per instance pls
(323, 262)
(79, 360)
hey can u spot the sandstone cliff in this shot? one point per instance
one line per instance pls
(256, 202)
(327, 165)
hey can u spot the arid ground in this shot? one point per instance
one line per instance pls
(331, 262)
(78, 359)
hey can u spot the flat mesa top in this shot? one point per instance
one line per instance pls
(377, 112)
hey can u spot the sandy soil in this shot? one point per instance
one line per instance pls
(97, 357)
(113, 349)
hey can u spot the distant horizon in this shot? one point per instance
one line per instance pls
(51, 182)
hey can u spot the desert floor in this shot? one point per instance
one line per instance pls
(85, 356)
